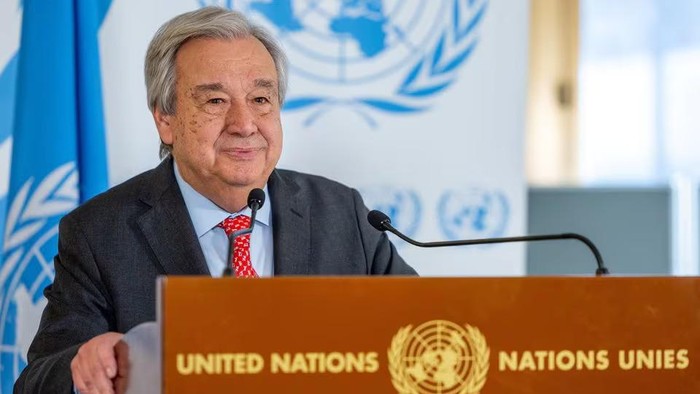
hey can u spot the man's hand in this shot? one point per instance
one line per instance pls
(95, 365)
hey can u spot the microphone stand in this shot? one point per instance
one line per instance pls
(256, 198)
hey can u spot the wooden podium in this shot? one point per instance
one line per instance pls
(421, 335)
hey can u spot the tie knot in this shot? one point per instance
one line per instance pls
(234, 224)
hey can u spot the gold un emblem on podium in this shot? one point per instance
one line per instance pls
(438, 356)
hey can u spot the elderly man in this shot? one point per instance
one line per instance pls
(215, 87)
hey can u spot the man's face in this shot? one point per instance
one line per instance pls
(226, 132)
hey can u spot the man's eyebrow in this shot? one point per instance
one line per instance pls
(209, 87)
(265, 83)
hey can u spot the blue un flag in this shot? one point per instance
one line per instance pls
(58, 158)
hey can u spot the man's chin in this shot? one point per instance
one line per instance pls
(248, 179)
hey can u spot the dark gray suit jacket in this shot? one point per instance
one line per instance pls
(112, 248)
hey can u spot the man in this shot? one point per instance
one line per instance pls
(215, 86)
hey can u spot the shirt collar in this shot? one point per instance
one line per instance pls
(206, 215)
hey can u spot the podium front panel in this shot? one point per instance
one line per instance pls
(431, 335)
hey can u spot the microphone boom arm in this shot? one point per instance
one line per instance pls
(600, 271)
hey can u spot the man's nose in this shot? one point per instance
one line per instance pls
(240, 119)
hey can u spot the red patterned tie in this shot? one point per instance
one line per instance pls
(241, 256)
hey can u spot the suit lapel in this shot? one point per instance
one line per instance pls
(167, 225)
(291, 226)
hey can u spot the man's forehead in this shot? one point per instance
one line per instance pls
(210, 65)
(209, 48)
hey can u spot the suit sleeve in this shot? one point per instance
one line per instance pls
(380, 254)
(78, 309)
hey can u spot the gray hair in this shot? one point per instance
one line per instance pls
(208, 22)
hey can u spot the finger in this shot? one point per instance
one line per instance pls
(107, 359)
(120, 384)
(77, 376)
(84, 367)
(121, 350)
(103, 378)
(100, 380)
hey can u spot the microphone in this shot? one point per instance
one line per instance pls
(256, 199)
(382, 222)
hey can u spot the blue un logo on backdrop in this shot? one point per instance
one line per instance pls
(403, 206)
(392, 56)
(469, 213)
(473, 213)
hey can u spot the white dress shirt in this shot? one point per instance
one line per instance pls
(206, 216)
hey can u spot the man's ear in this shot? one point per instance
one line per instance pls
(164, 124)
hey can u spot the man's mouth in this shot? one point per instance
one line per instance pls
(242, 153)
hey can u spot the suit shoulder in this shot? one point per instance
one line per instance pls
(315, 183)
(115, 200)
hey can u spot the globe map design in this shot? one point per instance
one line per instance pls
(349, 41)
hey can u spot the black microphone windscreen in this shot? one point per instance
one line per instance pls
(256, 196)
(377, 219)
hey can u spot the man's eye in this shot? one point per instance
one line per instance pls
(261, 100)
(216, 101)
